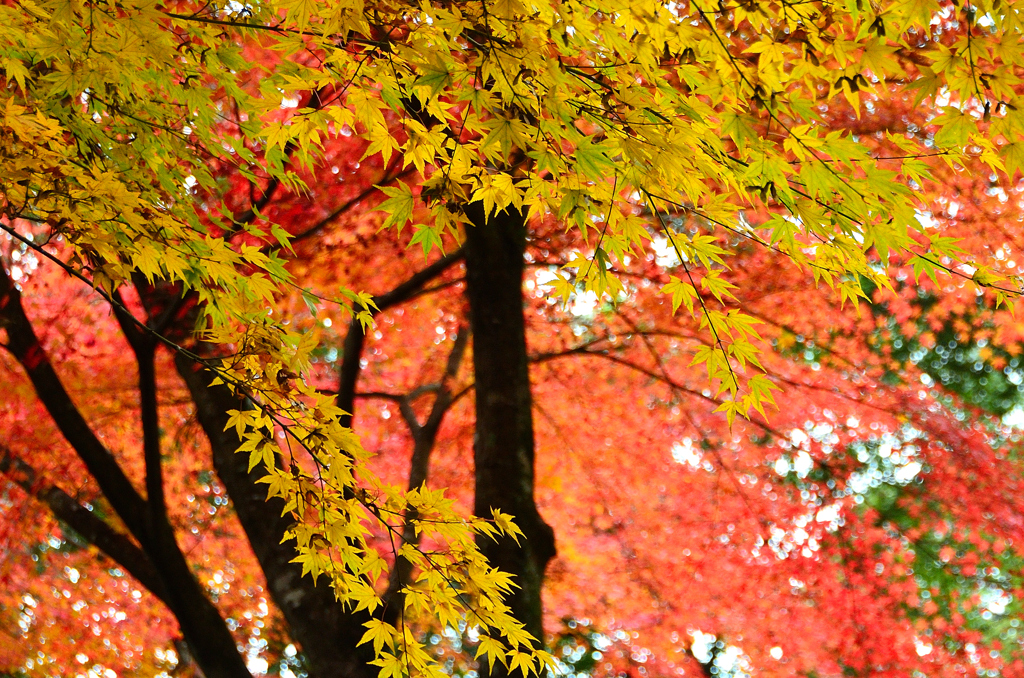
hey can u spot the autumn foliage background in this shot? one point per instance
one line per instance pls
(869, 524)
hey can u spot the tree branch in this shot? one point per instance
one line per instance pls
(352, 348)
(200, 621)
(144, 347)
(25, 347)
(391, 173)
(442, 402)
(424, 437)
(151, 440)
(115, 545)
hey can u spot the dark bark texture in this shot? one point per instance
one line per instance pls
(504, 447)
(327, 633)
(204, 629)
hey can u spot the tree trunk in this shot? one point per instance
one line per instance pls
(503, 447)
(326, 631)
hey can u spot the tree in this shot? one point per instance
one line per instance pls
(517, 121)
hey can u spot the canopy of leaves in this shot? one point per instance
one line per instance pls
(829, 190)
